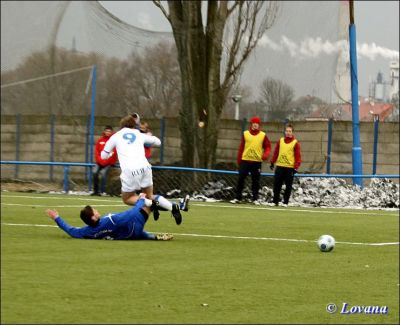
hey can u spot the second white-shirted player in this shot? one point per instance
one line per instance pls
(136, 174)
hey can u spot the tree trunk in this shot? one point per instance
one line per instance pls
(199, 61)
(200, 49)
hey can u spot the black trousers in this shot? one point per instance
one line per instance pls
(283, 175)
(254, 168)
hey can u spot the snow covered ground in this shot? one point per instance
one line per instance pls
(324, 192)
(380, 194)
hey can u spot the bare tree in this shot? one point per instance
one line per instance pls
(304, 106)
(277, 97)
(61, 95)
(153, 81)
(211, 54)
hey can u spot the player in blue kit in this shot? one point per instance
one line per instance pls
(118, 226)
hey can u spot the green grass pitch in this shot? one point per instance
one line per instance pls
(232, 264)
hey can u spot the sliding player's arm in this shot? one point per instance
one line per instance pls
(75, 232)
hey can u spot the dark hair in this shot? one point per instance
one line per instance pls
(128, 122)
(86, 216)
(289, 126)
(108, 127)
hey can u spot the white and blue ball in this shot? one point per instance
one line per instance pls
(326, 243)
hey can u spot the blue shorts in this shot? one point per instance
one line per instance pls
(133, 220)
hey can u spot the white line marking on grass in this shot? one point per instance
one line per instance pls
(61, 197)
(229, 237)
(27, 225)
(285, 239)
(316, 210)
(61, 206)
(370, 244)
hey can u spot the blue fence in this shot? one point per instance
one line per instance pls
(89, 144)
(68, 165)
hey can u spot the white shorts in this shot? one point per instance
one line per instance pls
(136, 179)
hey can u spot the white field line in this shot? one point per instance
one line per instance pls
(227, 237)
(61, 196)
(61, 206)
(316, 210)
(232, 206)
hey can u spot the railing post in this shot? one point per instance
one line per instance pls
(285, 122)
(66, 179)
(162, 136)
(17, 141)
(328, 154)
(88, 169)
(376, 132)
(52, 121)
(91, 128)
(244, 123)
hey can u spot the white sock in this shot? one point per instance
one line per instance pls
(147, 202)
(164, 203)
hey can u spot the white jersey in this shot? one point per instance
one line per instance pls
(130, 148)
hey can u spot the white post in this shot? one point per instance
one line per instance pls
(236, 110)
(236, 99)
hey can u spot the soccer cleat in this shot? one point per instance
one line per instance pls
(164, 236)
(176, 213)
(156, 215)
(184, 203)
(154, 207)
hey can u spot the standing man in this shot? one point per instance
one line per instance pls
(102, 165)
(253, 150)
(287, 157)
(136, 174)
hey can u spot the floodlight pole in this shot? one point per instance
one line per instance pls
(356, 151)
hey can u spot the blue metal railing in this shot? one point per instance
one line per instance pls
(67, 166)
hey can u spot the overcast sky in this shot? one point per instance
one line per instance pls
(377, 28)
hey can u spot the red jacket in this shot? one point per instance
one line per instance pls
(101, 142)
(297, 154)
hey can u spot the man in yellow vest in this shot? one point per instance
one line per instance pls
(253, 150)
(287, 157)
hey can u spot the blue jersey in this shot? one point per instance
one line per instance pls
(125, 225)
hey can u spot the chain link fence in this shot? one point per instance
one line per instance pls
(220, 185)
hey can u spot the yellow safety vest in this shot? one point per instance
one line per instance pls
(253, 147)
(286, 153)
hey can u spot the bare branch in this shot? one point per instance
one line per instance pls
(159, 5)
(231, 9)
(247, 33)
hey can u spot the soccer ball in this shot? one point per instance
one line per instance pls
(326, 243)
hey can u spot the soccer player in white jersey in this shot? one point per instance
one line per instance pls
(136, 174)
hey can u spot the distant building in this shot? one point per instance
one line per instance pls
(381, 90)
(394, 80)
(367, 111)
